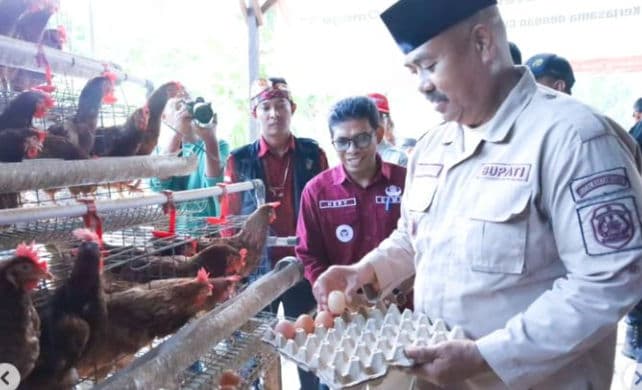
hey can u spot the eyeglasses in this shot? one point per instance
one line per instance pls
(360, 141)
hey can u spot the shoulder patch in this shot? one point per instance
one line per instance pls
(610, 227)
(599, 184)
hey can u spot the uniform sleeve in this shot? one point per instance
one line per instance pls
(310, 249)
(393, 259)
(591, 195)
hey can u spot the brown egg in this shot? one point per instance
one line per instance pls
(286, 328)
(229, 378)
(305, 322)
(325, 319)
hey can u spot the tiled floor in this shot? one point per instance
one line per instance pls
(622, 378)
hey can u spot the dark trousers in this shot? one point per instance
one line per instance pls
(296, 301)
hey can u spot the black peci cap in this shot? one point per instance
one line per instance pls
(413, 22)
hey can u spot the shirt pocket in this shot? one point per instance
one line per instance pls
(498, 227)
(422, 194)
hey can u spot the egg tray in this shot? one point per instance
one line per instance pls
(362, 346)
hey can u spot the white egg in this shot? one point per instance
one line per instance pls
(337, 302)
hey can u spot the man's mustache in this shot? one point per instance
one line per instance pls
(436, 97)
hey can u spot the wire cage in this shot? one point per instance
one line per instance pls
(134, 237)
(243, 353)
(66, 97)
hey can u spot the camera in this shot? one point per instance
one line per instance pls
(202, 113)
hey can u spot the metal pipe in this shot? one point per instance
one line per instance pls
(25, 215)
(48, 173)
(159, 367)
(15, 53)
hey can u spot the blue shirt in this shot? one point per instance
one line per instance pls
(198, 179)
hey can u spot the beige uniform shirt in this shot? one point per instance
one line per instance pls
(526, 232)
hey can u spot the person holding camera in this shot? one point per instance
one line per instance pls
(193, 126)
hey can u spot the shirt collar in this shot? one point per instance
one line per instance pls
(339, 175)
(500, 125)
(264, 148)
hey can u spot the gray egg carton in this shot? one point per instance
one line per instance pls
(362, 346)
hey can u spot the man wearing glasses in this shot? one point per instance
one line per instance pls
(347, 210)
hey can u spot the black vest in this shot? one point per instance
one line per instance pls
(306, 163)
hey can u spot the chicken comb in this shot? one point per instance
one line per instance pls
(243, 254)
(203, 275)
(30, 252)
(62, 32)
(113, 77)
(86, 235)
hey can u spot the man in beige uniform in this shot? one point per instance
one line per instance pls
(521, 216)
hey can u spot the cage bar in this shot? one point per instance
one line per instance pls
(21, 54)
(161, 367)
(26, 215)
(51, 173)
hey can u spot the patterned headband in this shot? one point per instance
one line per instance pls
(264, 89)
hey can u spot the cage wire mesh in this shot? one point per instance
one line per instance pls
(243, 353)
(130, 242)
(66, 97)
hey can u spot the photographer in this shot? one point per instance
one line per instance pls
(190, 136)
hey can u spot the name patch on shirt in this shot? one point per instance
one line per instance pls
(599, 184)
(338, 203)
(610, 227)
(516, 172)
(387, 199)
(428, 170)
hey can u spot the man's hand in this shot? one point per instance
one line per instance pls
(448, 362)
(346, 278)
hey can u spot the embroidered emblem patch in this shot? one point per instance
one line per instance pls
(338, 203)
(344, 233)
(516, 172)
(610, 227)
(599, 184)
(428, 170)
(393, 191)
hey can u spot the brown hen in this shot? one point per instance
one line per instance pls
(19, 320)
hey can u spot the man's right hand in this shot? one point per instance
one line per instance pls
(346, 278)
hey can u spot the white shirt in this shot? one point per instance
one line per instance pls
(529, 237)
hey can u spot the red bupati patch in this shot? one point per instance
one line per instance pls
(610, 226)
